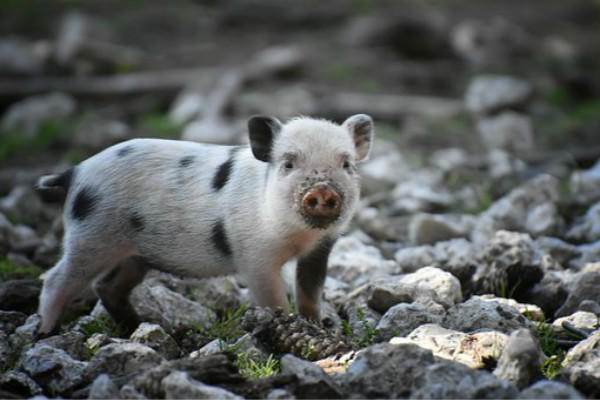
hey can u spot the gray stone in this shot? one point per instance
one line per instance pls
(550, 390)
(510, 264)
(582, 366)
(403, 318)
(491, 42)
(22, 204)
(27, 115)
(490, 93)
(502, 165)
(512, 211)
(155, 337)
(449, 380)
(19, 57)
(53, 368)
(585, 287)
(20, 295)
(73, 343)
(456, 256)
(23, 239)
(356, 263)
(103, 388)
(375, 371)
(19, 384)
(179, 385)
(277, 394)
(421, 191)
(477, 314)
(588, 253)
(123, 360)
(588, 228)
(476, 350)
(585, 184)
(558, 249)
(213, 347)
(531, 311)
(432, 228)
(312, 381)
(508, 131)
(10, 320)
(382, 172)
(579, 319)
(521, 360)
(222, 293)
(169, 309)
(449, 159)
(6, 352)
(25, 333)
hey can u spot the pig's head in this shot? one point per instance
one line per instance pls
(312, 181)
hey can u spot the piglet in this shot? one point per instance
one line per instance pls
(203, 210)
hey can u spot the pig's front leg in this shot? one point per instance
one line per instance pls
(310, 277)
(266, 286)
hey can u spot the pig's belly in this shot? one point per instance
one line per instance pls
(187, 259)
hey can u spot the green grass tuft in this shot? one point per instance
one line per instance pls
(252, 367)
(9, 270)
(228, 327)
(366, 337)
(549, 345)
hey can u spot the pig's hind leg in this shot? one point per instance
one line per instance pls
(115, 287)
(80, 264)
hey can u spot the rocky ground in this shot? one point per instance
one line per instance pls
(472, 269)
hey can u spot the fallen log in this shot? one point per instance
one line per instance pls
(122, 84)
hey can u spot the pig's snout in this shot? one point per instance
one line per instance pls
(322, 202)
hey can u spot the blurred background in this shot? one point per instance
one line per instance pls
(470, 98)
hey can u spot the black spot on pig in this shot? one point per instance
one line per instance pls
(84, 203)
(136, 221)
(222, 175)
(219, 238)
(123, 151)
(186, 161)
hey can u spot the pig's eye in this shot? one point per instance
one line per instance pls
(288, 165)
(346, 164)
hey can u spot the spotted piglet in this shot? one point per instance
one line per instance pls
(203, 210)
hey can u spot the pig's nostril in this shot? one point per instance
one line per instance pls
(313, 202)
(331, 203)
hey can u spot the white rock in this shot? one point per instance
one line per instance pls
(187, 106)
(507, 131)
(586, 184)
(512, 211)
(355, 263)
(477, 314)
(27, 115)
(475, 350)
(179, 385)
(403, 318)
(445, 285)
(588, 228)
(431, 228)
(488, 93)
(155, 337)
(211, 130)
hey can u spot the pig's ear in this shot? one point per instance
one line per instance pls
(262, 131)
(362, 130)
